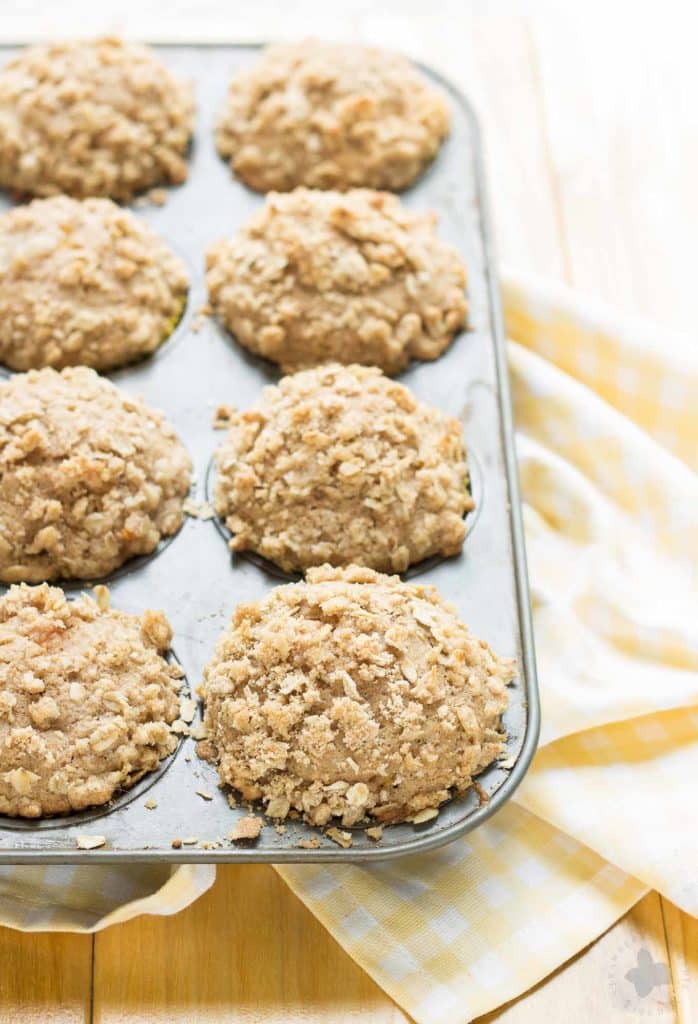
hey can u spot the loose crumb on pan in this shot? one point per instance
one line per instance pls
(246, 828)
(340, 464)
(343, 839)
(352, 695)
(197, 509)
(222, 417)
(89, 842)
(309, 844)
(187, 709)
(330, 115)
(376, 834)
(92, 118)
(314, 277)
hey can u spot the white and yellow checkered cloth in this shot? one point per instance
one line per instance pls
(607, 419)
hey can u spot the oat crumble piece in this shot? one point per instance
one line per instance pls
(343, 839)
(89, 842)
(309, 844)
(352, 277)
(246, 828)
(197, 509)
(428, 814)
(158, 196)
(222, 417)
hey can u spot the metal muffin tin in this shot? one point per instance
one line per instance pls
(196, 581)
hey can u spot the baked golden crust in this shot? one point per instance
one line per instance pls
(342, 465)
(352, 695)
(84, 282)
(329, 115)
(86, 700)
(315, 277)
(92, 118)
(89, 476)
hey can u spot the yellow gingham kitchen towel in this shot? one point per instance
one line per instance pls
(607, 441)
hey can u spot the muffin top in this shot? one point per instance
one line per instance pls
(89, 476)
(339, 464)
(351, 277)
(352, 695)
(86, 700)
(329, 115)
(92, 118)
(84, 282)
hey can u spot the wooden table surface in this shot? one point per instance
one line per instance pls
(591, 130)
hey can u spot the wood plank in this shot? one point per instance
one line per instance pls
(500, 74)
(682, 940)
(622, 131)
(247, 951)
(45, 978)
(492, 61)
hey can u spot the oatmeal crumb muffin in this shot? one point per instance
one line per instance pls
(355, 278)
(86, 700)
(92, 118)
(352, 695)
(84, 282)
(330, 115)
(89, 476)
(339, 464)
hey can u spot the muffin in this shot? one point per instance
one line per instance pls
(92, 118)
(89, 477)
(86, 700)
(329, 115)
(352, 696)
(83, 281)
(355, 278)
(339, 464)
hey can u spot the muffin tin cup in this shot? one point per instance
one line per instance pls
(196, 583)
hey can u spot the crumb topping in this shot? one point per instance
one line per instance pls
(321, 276)
(92, 118)
(89, 476)
(352, 695)
(330, 115)
(84, 282)
(342, 465)
(86, 700)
